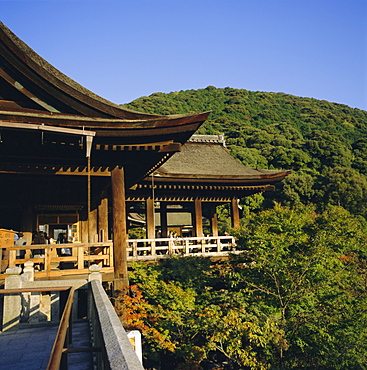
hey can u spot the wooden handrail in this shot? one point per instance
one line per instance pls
(58, 354)
(34, 290)
(65, 322)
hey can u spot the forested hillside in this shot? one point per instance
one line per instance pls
(325, 144)
(296, 298)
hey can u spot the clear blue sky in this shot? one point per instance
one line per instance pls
(123, 50)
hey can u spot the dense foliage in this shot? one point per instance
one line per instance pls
(294, 299)
(325, 144)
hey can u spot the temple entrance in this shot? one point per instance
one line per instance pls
(55, 224)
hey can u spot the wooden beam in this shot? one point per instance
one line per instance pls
(33, 126)
(119, 230)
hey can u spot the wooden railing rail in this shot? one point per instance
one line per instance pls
(58, 357)
(63, 338)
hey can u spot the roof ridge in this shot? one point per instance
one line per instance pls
(216, 139)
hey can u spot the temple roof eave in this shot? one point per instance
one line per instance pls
(213, 179)
(42, 74)
(95, 122)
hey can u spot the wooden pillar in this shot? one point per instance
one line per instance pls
(103, 220)
(92, 228)
(119, 230)
(164, 223)
(235, 213)
(149, 217)
(198, 218)
(214, 220)
(84, 232)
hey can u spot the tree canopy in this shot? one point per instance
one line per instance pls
(295, 298)
(314, 138)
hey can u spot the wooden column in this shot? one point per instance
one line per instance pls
(235, 213)
(198, 218)
(84, 232)
(214, 220)
(92, 226)
(164, 223)
(119, 230)
(149, 217)
(103, 220)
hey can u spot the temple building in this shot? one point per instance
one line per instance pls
(193, 182)
(71, 160)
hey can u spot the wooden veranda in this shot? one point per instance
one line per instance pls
(85, 254)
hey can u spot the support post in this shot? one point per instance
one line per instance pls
(198, 218)
(149, 216)
(103, 220)
(84, 232)
(235, 213)
(164, 223)
(214, 220)
(92, 232)
(119, 230)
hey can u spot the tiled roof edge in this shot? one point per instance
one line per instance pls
(216, 139)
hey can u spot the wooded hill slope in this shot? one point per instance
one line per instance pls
(325, 144)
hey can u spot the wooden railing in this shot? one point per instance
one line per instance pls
(59, 357)
(144, 249)
(85, 254)
(52, 265)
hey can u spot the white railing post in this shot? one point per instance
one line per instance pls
(152, 248)
(135, 248)
(28, 271)
(203, 245)
(95, 273)
(12, 302)
(187, 248)
(170, 246)
(219, 245)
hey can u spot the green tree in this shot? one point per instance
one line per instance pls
(347, 188)
(296, 189)
(308, 272)
(295, 298)
(328, 150)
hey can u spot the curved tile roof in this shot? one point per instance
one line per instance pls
(200, 159)
(35, 86)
